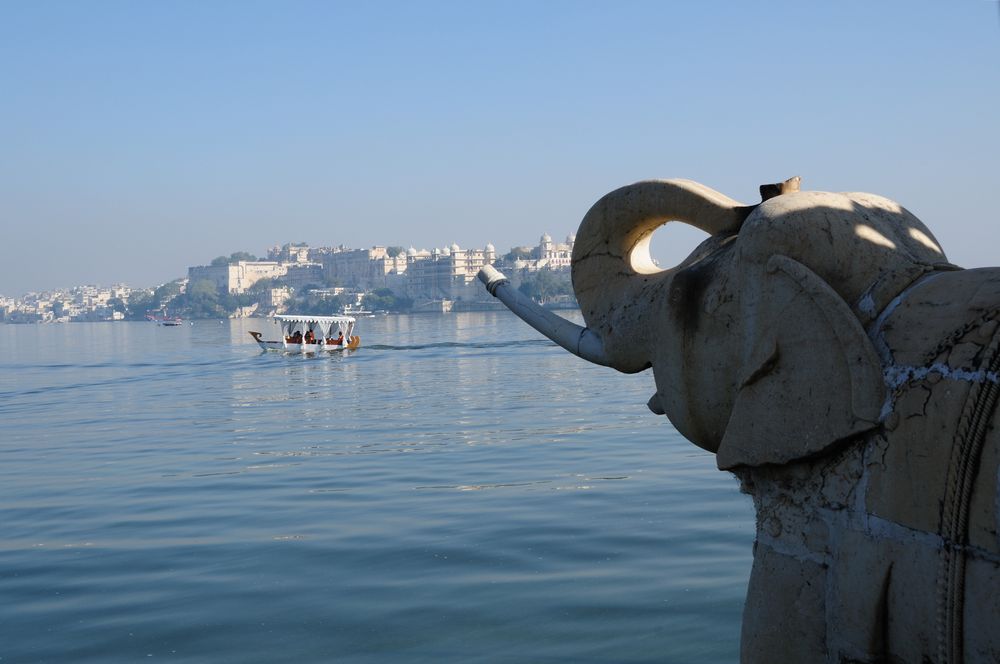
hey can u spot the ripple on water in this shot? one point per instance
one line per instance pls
(455, 499)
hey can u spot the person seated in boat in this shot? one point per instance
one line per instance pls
(310, 337)
(295, 338)
(339, 341)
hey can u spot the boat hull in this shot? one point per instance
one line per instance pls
(280, 346)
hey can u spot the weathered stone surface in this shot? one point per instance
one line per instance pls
(984, 513)
(857, 613)
(825, 349)
(907, 485)
(792, 630)
(982, 605)
(913, 598)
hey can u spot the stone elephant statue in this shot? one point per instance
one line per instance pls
(823, 347)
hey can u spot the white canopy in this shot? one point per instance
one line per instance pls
(322, 324)
(329, 320)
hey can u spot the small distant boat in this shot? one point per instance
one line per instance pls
(164, 319)
(312, 334)
(355, 310)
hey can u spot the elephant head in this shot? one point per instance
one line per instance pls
(758, 339)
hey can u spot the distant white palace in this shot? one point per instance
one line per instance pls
(547, 254)
(447, 273)
(444, 274)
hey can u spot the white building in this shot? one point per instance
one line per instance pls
(548, 254)
(448, 273)
(366, 269)
(237, 277)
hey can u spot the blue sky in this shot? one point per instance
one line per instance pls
(139, 138)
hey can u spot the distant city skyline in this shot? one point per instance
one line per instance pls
(260, 255)
(141, 137)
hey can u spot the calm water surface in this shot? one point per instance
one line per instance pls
(457, 490)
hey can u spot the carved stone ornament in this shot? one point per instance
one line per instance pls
(823, 347)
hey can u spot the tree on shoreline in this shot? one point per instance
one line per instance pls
(314, 302)
(384, 299)
(546, 284)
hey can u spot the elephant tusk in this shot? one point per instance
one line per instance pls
(580, 341)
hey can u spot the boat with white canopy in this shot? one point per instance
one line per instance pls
(312, 334)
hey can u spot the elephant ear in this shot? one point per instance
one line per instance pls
(813, 375)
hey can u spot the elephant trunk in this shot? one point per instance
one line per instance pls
(577, 340)
(613, 271)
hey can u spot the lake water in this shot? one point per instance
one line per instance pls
(458, 490)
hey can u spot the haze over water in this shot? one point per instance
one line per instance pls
(457, 490)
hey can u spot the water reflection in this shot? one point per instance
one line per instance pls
(456, 489)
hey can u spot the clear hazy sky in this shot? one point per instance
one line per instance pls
(137, 138)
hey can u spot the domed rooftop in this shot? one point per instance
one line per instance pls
(455, 247)
(411, 252)
(546, 237)
(490, 247)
